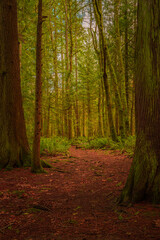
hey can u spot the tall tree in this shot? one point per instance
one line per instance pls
(120, 66)
(144, 179)
(97, 5)
(53, 30)
(36, 163)
(14, 148)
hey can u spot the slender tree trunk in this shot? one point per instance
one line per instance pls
(103, 60)
(63, 88)
(48, 119)
(121, 71)
(132, 121)
(84, 118)
(70, 72)
(89, 125)
(55, 64)
(67, 58)
(126, 53)
(100, 134)
(36, 163)
(144, 179)
(76, 76)
(14, 148)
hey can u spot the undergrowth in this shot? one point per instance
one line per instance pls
(54, 145)
(106, 143)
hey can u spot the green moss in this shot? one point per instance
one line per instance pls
(38, 170)
(143, 181)
(45, 164)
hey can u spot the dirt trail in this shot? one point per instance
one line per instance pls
(76, 200)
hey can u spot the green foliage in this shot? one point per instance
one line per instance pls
(106, 143)
(80, 142)
(98, 143)
(129, 145)
(54, 145)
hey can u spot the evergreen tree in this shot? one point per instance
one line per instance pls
(144, 179)
(14, 148)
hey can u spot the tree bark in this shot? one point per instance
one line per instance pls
(76, 76)
(103, 62)
(36, 163)
(14, 147)
(144, 179)
(121, 71)
(55, 65)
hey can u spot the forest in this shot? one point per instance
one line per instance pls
(79, 119)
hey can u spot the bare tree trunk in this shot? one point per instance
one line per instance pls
(84, 118)
(121, 71)
(76, 75)
(36, 163)
(103, 63)
(126, 53)
(56, 80)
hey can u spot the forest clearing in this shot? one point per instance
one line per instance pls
(75, 200)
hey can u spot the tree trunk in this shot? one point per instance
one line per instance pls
(36, 163)
(14, 148)
(76, 76)
(63, 88)
(55, 65)
(89, 122)
(84, 119)
(144, 179)
(69, 55)
(121, 71)
(100, 132)
(103, 62)
(126, 53)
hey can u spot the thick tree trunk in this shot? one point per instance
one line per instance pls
(14, 148)
(36, 163)
(144, 178)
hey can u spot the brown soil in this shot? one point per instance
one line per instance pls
(75, 200)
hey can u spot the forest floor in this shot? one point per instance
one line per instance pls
(75, 200)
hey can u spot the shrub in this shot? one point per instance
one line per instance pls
(106, 143)
(54, 145)
(80, 142)
(98, 143)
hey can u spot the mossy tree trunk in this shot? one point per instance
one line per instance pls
(144, 178)
(36, 163)
(14, 148)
